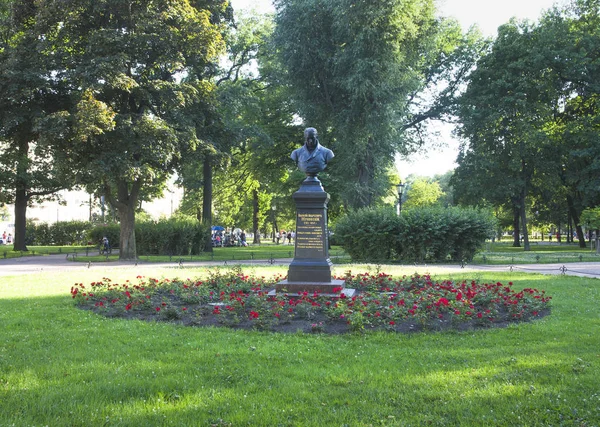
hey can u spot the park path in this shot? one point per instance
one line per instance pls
(57, 263)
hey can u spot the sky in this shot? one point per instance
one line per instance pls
(488, 15)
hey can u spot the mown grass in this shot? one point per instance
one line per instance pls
(231, 254)
(62, 366)
(84, 253)
(6, 251)
(542, 253)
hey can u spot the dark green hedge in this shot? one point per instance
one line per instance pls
(433, 234)
(368, 234)
(175, 236)
(58, 234)
(111, 231)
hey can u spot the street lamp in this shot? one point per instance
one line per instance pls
(400, 188)
(273, 209)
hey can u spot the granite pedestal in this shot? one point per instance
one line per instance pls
(310, 270)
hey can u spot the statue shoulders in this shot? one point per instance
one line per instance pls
(327, 153)
(296, 153)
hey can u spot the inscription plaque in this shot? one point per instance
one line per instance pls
(311, 230)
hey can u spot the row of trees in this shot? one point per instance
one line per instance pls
(115, 96)
(530, 118)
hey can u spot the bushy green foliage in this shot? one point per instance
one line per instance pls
(440, 234)
(111, 231)
(174, 236)
(420, 234)
(58, 234)
(369, 234)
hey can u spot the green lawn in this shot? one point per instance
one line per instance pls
(6, 251)
(61, 366)
(254, 252)
(544, 253)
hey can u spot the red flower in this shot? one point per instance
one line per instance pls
(216, 310)
(128, 307)
(442, 301)
(392, 323)
(157, 309)
(253, 315)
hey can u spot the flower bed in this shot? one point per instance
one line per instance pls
(381, 302)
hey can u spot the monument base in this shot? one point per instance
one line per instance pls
(309, 270)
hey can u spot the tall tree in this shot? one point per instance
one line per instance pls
(31, 169)
(132, 113)
(503, 113)
(569, 37)
(422, 192)
(251, 156)
(359, 72)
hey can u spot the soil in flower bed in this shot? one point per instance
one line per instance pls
(381, 302)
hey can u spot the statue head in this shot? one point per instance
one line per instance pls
(311, 138)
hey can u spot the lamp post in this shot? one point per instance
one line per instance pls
(273, 209)
(400, 188)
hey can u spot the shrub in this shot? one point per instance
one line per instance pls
(111, 231)
(59, 234)
(420, 234)
(175, 236)
(369, 234)
(441, 234)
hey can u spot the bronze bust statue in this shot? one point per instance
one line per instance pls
(312, 157)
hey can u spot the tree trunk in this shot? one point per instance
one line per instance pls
(575, 217)
(516, 227)
(526, 246)
(125, 203)
(21, 199)
(366, 177)
(255, 207)
(127, 248)
(20, 220)
(207, 196)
